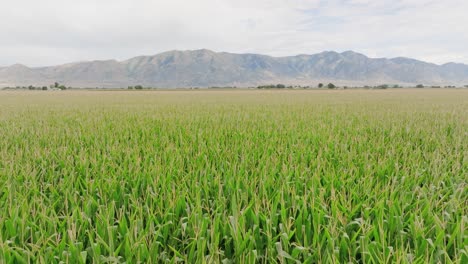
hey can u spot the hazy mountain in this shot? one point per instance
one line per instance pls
(207, 68)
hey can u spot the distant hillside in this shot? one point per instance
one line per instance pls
(203, 68)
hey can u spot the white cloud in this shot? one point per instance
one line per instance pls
(58, 31)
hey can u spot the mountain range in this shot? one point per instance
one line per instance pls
(204, 68)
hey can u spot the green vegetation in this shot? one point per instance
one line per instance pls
(59, 86)
(331, 86)
(272, 86)
(285, 176)
(32, 87)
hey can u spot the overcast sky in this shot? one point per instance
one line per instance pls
(49, 32)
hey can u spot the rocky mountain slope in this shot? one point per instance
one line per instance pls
(203, 68)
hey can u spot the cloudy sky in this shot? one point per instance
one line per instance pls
(49, 32)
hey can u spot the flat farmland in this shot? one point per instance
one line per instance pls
(250, 176)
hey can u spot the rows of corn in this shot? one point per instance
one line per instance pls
(234, 177)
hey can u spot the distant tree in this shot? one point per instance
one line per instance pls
(270, 86)
(30, 87)
(62, 87)
(320, 85)
(44, 88)
(466, 86)
(396, 86)
(419, 86)
(383, 86)
(56, 84)
(280, 86)
(331, 86)
(130, 88)
(138, 87)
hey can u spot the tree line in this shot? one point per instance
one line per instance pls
(55, 86)
(333, 86)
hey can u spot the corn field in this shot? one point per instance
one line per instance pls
(234, 176)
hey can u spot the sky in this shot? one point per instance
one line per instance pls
(50, 32)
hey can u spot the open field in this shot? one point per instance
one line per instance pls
(234, 176)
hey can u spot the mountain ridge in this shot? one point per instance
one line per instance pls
(203, 68)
